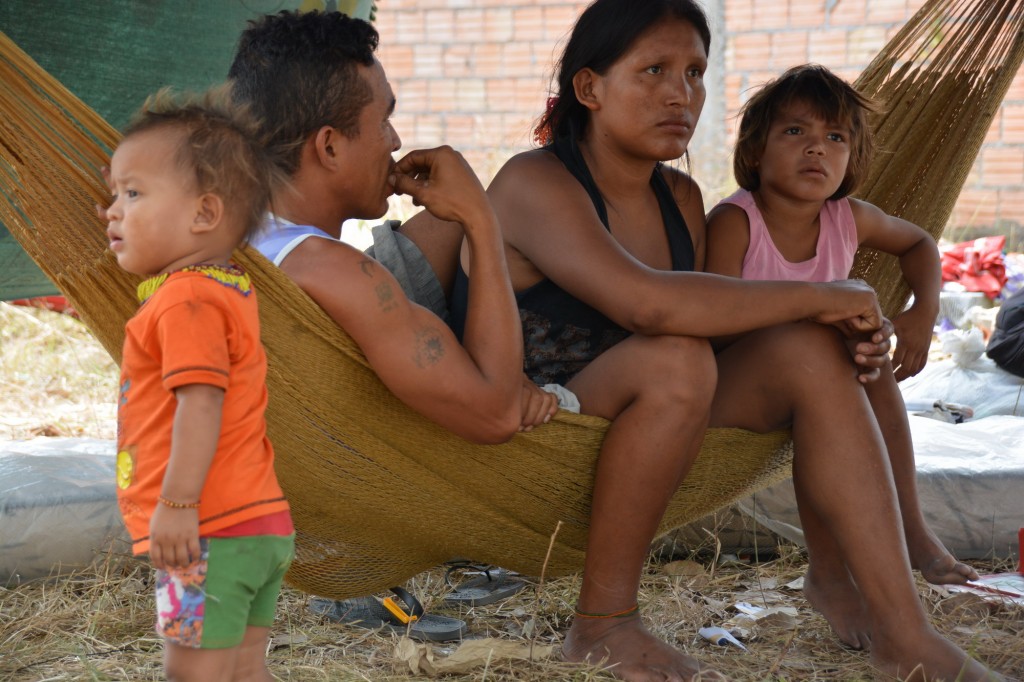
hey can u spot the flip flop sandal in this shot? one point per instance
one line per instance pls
(385, 614)
(491, 585)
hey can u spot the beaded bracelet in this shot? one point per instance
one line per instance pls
(177, 505)
(626, 613)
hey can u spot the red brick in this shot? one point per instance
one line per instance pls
(1002, 166)
(405, 124)
(440, 25)
(984, 211)
(517, 59)
(427, 61)
(887, 11)
(398, 60)
(476, 158)
(739, 15)
(426, 4)
(487, 59)
(757, 80)
(545, 56)
(410, 28)
(749, 51)
(441, 94)
(1011, 203)
(733, 85)
(528, 23)
(847, 14)
(864, 43)
(457, 61)
(469, 25)
(994, 135)
(531, 95)
(470, 95)
(789, 48)
(428, 131)
(460, 130)
(411, 94)
(1012, 123)
(768, 15)
(1015, 93)
(519, 129)
(559, 20)
(501, 94)
(386, 24)
(489, 128)
(806, 13)
(827, 47)
(498, 25)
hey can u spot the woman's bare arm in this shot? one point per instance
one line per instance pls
(547, 218)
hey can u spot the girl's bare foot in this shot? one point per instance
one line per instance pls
(928, 658)
(838, 600)
(631, 652)
(935, 562)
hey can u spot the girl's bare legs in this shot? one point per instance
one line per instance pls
(828, 584)
(657, 392)
(927, 553)
(800, 375)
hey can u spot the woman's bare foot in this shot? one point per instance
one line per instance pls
(928, 658)
(935, 562)
(631, 652)
(839, 601)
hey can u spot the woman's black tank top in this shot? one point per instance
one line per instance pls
(561, 333)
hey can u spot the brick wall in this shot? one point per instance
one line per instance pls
(475, 74)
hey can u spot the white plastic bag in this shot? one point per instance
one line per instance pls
(969, 378)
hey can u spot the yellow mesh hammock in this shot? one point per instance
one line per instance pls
(379, 493)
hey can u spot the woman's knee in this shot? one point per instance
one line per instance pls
(659, 372)
(808, 351)
(678, 369)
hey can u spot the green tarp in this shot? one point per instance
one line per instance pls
(113, 53)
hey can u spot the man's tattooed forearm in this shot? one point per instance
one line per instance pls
(429, 348)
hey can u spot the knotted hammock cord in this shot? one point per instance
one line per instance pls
(379, 493)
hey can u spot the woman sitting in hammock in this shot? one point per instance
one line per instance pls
(604, 246)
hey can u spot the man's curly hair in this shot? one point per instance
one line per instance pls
(298, 72)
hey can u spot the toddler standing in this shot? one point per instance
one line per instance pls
(195, 471)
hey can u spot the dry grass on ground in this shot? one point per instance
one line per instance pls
(97, 625)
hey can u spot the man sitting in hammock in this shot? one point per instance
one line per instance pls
(314, 80)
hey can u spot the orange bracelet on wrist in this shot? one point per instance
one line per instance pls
(177, 505)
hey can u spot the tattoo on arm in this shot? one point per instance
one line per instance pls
(385, 297)
(429, 348)
(366, 265)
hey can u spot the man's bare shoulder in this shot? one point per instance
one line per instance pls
(325, 266)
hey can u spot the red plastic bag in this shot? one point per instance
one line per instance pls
(978, 265)
(55, 303)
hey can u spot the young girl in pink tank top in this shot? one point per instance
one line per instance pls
(804, 145)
